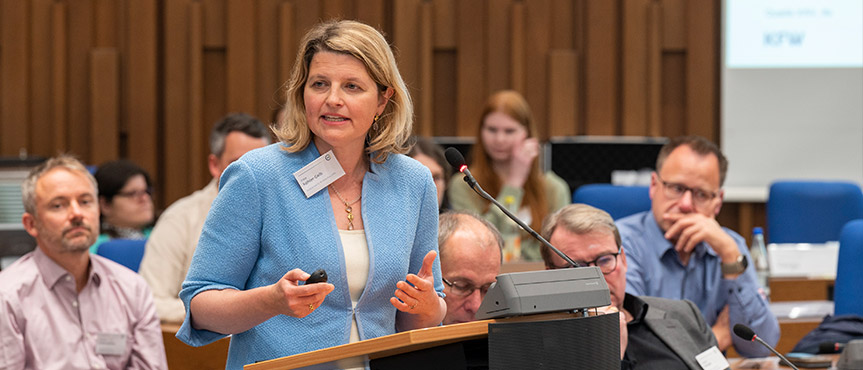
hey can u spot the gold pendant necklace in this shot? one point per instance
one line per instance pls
(348, 208)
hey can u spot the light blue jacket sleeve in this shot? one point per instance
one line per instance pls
(235, 221)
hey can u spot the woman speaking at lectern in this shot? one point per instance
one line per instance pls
(336, 193)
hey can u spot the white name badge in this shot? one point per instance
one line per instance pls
(111, 343)
(712, 359)
(319, 174)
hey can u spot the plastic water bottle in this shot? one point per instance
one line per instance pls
(759, 259)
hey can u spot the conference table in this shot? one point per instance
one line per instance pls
(767, 363)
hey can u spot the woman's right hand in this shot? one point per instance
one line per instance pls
(295, 300)
(523, 155)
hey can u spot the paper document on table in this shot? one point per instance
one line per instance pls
(803, 259)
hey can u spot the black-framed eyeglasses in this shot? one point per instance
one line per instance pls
(464, 289)
(675, 190)
(135, 194)
(607, 263)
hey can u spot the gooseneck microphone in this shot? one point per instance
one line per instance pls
(745, 332)
(455, 159)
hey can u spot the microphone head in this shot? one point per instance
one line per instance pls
(829, 347)
(454, 157)
(744, 332)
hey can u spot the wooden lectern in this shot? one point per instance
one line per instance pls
(434, 347)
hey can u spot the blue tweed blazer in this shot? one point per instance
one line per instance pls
(261, 226)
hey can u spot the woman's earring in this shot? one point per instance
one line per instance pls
(375, 122)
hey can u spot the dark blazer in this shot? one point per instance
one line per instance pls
(680, 325)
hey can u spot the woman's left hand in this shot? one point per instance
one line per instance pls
(419, 297)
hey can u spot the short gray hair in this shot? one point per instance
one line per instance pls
(451, 221)
(579, 219)
(65, 161)
(240, 122)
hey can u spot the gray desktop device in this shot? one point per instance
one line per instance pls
(534, 292)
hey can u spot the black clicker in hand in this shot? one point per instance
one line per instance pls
(319, 276)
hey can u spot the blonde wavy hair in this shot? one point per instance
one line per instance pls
(371, 48)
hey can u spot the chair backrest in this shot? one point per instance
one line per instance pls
(811, 211)
(847, 296)
(127, 252)
(618, 201)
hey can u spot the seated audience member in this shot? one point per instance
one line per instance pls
(172, 243)
(431, 155)
(655, 333)
(678, 250)
(60, 306)
(470, 257)
(505, 162)
(125, 202)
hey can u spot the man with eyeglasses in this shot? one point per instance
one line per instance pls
(678, 250)
(470, 258)
(655, 333)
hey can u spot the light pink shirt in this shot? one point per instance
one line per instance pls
(45, 324)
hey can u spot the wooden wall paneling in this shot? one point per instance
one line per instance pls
(338, 9)
(371, 12)
(240, 51)
(562, 92)
(517, 48)
(308, 14)
(469, 66)
(579, 42)
(58, 106)
(140, 77)
(214, 86)
(742, 217)
(745, 221)
(106, 23)
(267, 72)
(445, 103)
(196, 157)
(14, 73)
(601, 67)
(635, 74)
(80, 28)
(673, 94)
(563, 24)
(288, 40)
(175, 103)
(425, 100)
(445, 20)
(104, 94)
(499, 31)
(654, 69)
(39, 102)
(673, 24)
(406, 44)
(538, 31)
(702, 100)
(214, 23)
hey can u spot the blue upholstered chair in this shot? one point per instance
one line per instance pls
(847, 294)
(811, 211)
(618, 201)
(127, 252)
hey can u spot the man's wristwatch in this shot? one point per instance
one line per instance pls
(737, 267)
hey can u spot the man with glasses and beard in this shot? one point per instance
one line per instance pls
(678, 250)
(470, 258)
(655, 333)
